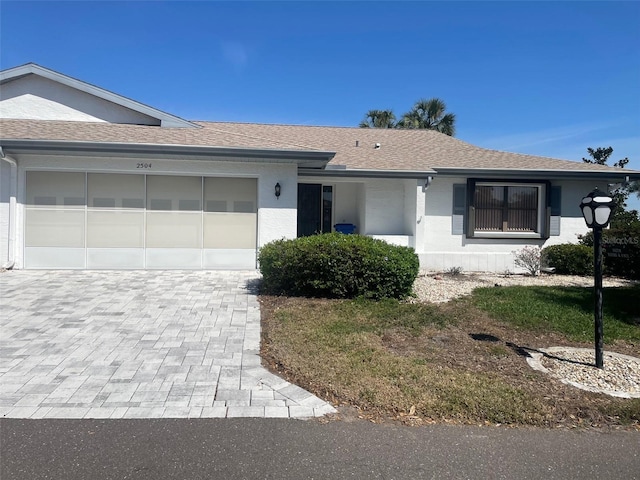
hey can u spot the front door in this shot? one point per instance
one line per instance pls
(315, 208)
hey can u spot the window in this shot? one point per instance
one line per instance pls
(506, 208)
(485, 208)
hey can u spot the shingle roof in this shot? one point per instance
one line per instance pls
(102, 132)
(409, 150)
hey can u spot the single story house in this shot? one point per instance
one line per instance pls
(93, 180)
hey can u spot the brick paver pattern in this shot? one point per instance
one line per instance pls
(138, 344)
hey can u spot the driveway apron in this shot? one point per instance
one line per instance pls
(138, 344)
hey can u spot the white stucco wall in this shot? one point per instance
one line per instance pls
(276, 217)
(5, 192)
(420, 225)
(444, 250)
(346, 203)
(361, 201)
(35, 97)
(385, 204)
(410, 212)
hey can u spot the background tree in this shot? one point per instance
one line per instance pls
(621, 217)
(430, 115)
(601, 155)
(379, 119)
(634, 187)
(425, 114)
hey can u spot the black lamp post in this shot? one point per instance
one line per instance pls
(596, 210)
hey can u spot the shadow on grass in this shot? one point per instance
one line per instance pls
(484, 337)
(524, 352)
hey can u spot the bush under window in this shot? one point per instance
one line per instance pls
(335, 265)
(569, 259)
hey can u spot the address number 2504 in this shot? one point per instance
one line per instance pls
(143, 165)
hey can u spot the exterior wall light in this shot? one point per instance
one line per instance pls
(597, 208)
(278, 190)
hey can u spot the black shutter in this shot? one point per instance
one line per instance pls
(459, 207)
(555, 208)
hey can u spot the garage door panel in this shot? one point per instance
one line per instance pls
(174, 193)
(115, 258)
(56, 189)
(54, 257)
(54, 228)
(112, 229)
(230, 194)
(114, 190)
(232, 258)
(174, 230)
(230, 230)
(176, 258)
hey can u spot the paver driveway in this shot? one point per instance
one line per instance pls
(137, 344)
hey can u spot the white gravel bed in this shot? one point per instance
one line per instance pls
(574, 366)
(620, 376)
(441, 287)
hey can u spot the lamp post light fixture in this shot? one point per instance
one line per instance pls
(597, 208)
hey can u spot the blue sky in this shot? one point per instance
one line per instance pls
(545, 78)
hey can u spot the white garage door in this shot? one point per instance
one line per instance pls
(122, 221)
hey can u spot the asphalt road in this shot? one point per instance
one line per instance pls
(243, 448)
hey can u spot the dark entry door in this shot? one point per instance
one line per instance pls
(309, 209)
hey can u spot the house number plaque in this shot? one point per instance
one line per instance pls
(143, 165)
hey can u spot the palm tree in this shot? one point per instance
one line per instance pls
(430, 115)
(378, 119)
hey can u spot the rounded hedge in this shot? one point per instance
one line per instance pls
(621, 250)
(334, 265)
(569, 259)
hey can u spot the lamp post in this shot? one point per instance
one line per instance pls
(596, 209)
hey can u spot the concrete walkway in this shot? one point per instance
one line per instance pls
(138, 344)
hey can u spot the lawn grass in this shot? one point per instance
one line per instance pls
(339, 346)
(566, 310)
(452, 362)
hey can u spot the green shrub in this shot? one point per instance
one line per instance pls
(621, 250)
(569, 259)
(334, 265)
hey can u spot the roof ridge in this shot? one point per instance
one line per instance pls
(277, 124)
(255, 137)
(420, 131)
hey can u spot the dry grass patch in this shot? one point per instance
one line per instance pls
(424, 363)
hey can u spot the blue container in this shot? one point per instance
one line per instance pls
(347, 228)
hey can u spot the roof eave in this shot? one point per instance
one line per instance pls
(540, 173)
(313, 159)
(367, 173)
